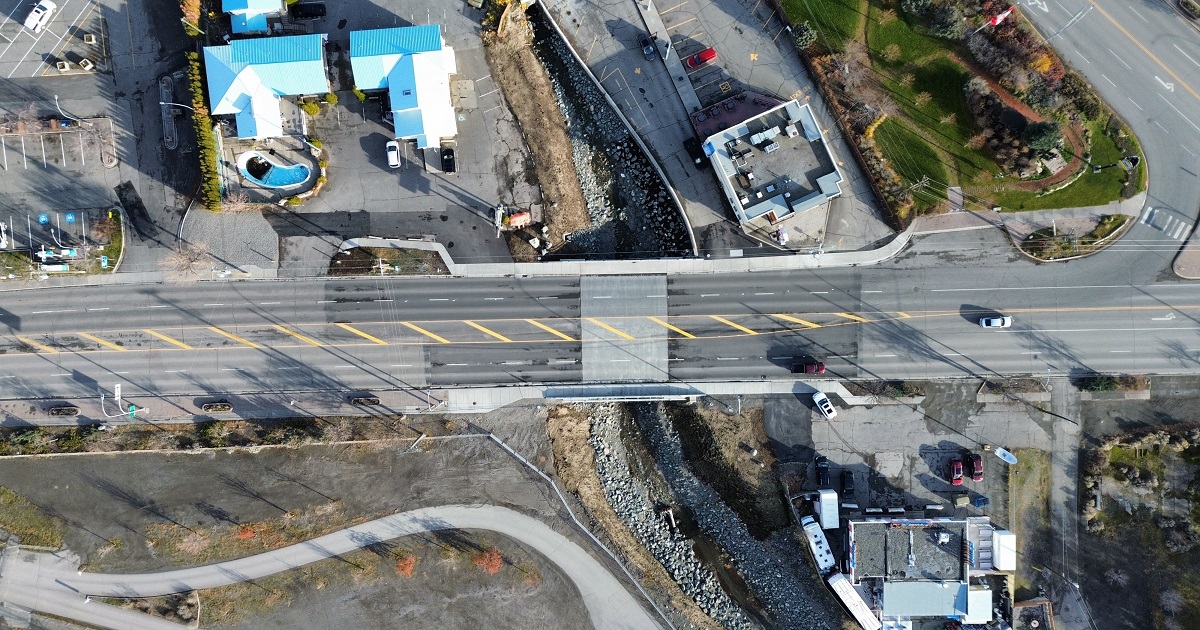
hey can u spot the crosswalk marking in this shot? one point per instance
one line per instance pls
(1173, 227)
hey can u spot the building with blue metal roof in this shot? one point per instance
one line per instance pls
(247, 78)
(414, 64)
(250, 16)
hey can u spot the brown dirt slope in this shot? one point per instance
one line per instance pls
(575, 463)
(526, 88)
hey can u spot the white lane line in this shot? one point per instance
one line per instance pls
(729, 358)
(1118, 58)
(98, 309)
(1189, 57)
(45, 312)
(457, 364)
(872, 291)
(391, 300)
(324, 301)
(173, 371)
(1135, 104)
(1120, 351)
(116, 373)
(779, 358)
(764, 294)
(63, 374)
(885, 355)
(601, 297)
(818, 292)
(1028, 353)
(549, 297)
(294, 367)
(1061, 6)
(1160, 126)
(401, 365)
(493, 298)
(515, 363)
(339, 367)
(9, 376)
(1135, 12)
(657, 296)
(1108, 79)
(1082, 57)
(230, 369)
(214, 305)
(562, 361)
(267, 303)
(1097, 286)
(952, 354)
(709, 294)
(1186, 149)
(1189, 120)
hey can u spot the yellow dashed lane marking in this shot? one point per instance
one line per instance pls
(426, 333)
(560, 335)
(609, 328)
(167, 339)
(733, 325)
(670, 327)
(42, 348)
(487, 331)
(234, 337)
(853, 317)
(796, 320)
(308, 340)
(104, 342)
(372, 338)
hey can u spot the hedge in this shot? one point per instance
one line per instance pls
(210, 178)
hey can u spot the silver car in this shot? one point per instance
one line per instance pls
(995, 322)
(824, 405)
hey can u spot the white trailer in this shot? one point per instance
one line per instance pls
(818, 544)
(853, 602)
(826, 507)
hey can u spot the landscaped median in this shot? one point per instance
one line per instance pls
(1052, 244)
(941, 94)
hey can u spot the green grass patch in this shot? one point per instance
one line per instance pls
(28, 522)
(1091, 189)
(835, 20)
(912, 158)
(913, 45)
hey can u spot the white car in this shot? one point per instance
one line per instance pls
(995, 322)
(393, 154)
(40, 16)
(823, 405)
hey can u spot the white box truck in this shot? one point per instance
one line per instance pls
(826, 507)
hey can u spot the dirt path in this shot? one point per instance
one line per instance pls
(527, 91)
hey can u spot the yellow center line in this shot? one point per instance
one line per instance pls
(670, 327)
(305, 339)
(104, 342)
(487, 331)
(167, 339)
(426, 333)
(795, 320)
(349, 328)
(43, 348)
(550, 330)
(733, 325)
(853, 317)
(609, 328)
(234, 337)
(1145, 50)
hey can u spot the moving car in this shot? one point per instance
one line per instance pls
(393, 154)
(822, 465)
(40, 16)
(975, 460)
(308, 10)
(996, 322)
(648, 47)
(823, 405)
(701, 58)
(815, 367)
(956, 472)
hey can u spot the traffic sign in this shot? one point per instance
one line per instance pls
(104, 262)
(70, 216)
(43, 218)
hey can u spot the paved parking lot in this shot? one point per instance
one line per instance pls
(24, 53)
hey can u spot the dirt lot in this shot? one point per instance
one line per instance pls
(152, 511)
(526, 87)
(1029, 514)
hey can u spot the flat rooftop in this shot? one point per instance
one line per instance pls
(918, 550)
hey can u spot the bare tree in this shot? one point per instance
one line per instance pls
(1171, 601)
(1117, 577)
(189, 262)
(238, 201)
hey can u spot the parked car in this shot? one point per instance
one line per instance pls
(701, 58)
(813, 367)
(822, 465)
(847, 483)
(975, 460)
(699, 160)
(956, 472)
(393, 154)
(40, 16)
(448, 163)
(996, 322)
(823, 405)
(308, 10)
(648, 47)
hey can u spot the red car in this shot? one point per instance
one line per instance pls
(956, 472)
(976, 462)
(701, 58)
(816, 367)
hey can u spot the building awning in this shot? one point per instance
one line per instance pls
(249, 22)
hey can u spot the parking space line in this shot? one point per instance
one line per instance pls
(168, 339)
(487, 331)
(675, 26)
(733, 325)
(104, 342)
(234, 337)
(41, 347)
(42, 141)
(417, 328)
(79, 19)
(82, 152)
(24, 157)
(795, 320)
(372, 338)
(560, 335)
(4, 151)
(63, 147)
(308, 340)
(666, 11)
(672, 328)
(610, 329)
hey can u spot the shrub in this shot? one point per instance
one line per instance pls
(310, 108)
(360, 95)
(331, 99)
(405, 565)
(1192, 8)
(210, 177)
(323, 163)
(316, 142)
(915, 7)
(947, 21)
(804, 35)
(321, 180)
(1042, 136)
(294, 201)
(892, 53)
(489, 560)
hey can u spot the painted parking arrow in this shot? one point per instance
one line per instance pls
(1170, 86)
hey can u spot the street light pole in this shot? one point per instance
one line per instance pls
(61, 113)
(177, 105)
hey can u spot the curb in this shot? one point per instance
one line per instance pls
(1108, 241)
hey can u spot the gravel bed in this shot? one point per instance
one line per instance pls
(631, 211)
(234, 238)
(631, 500)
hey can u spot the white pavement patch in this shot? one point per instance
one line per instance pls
(620, 342)
(58, 589)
